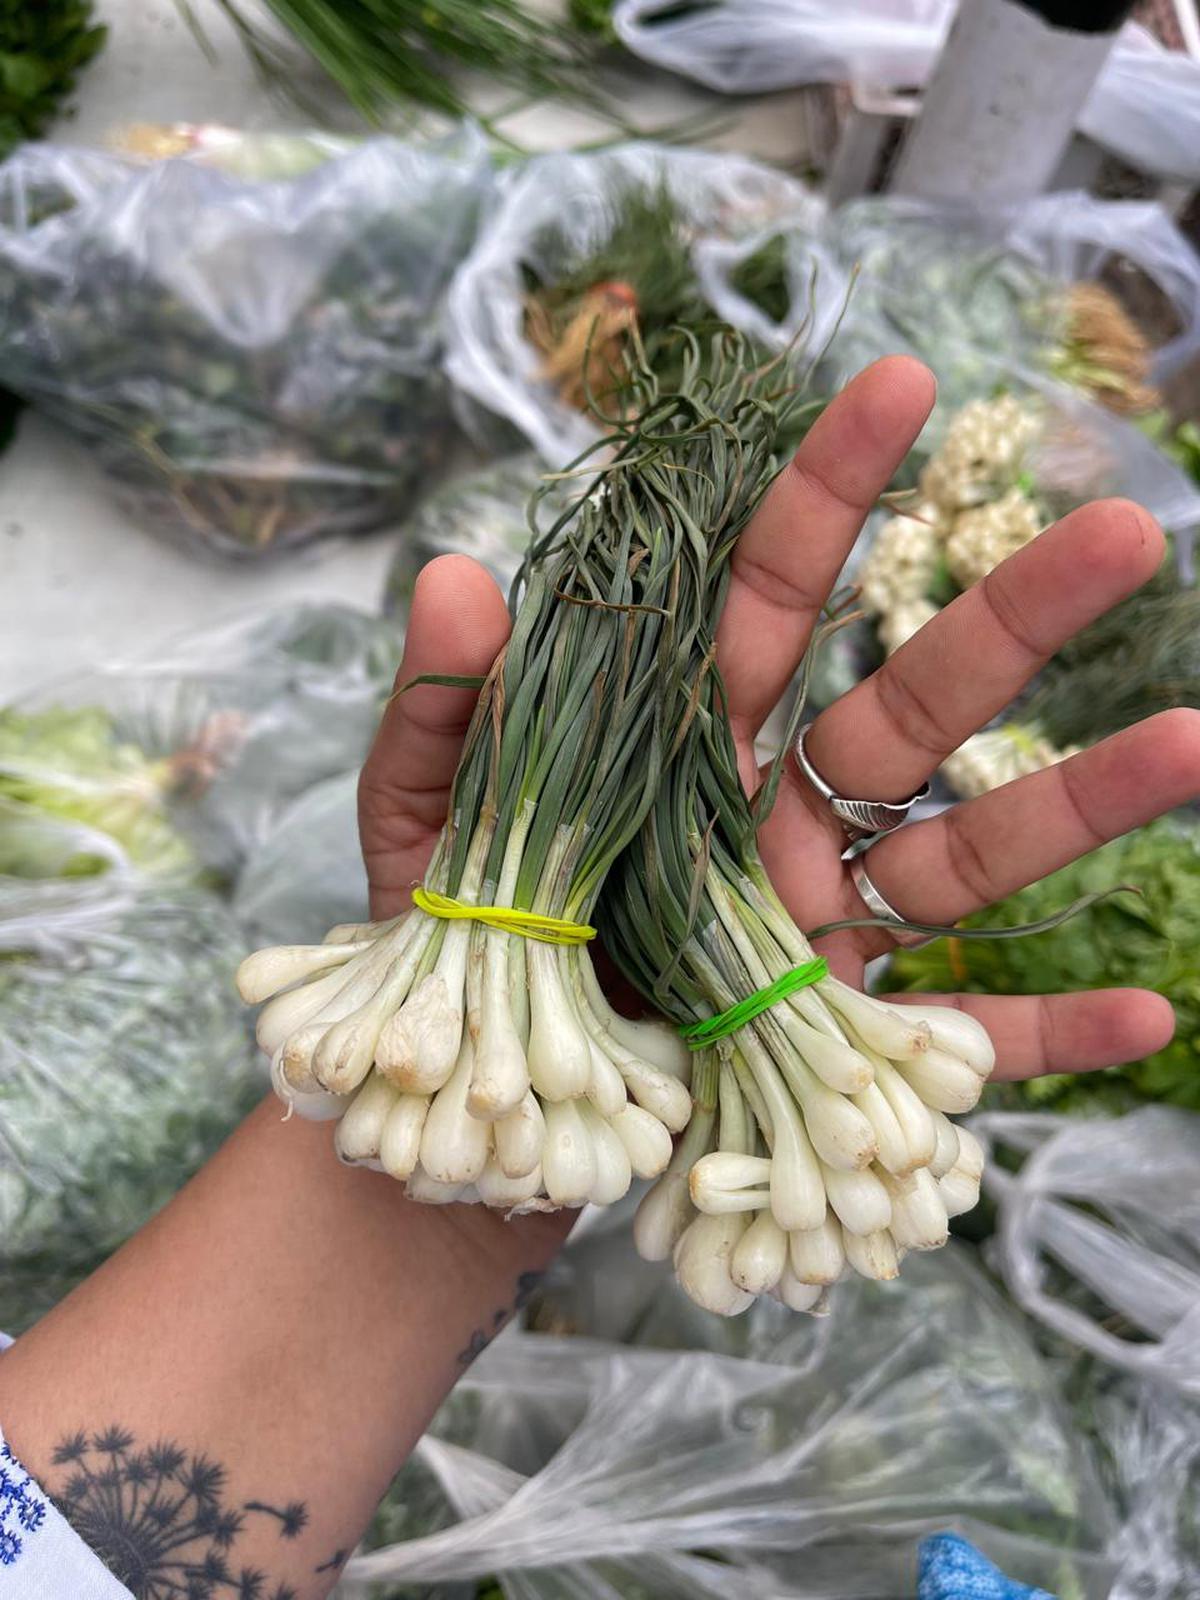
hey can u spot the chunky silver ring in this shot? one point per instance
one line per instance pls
(861, 818)
(879, 907)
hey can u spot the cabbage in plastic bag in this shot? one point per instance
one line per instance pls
(72, 763)
(248, 715)
(155, 819)
(277, 379)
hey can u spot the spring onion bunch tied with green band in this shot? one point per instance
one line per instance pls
(466, 1047)
(821, 1138)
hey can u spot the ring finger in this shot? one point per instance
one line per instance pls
(982, 850)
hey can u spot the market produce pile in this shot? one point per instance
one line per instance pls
(587, 255)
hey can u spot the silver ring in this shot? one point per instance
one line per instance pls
(879, 907)
(860, 818)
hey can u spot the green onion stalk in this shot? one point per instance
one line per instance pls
(821, 1139)
(467, 1058)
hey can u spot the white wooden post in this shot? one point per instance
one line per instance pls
(1000, 107)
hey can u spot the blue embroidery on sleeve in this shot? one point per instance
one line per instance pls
(22, 1512)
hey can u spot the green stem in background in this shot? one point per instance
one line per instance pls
(387, 58)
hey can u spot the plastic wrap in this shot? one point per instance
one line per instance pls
(789, 1458)
(277, 379)
(935, 277)
(157, 819)
(248, 716)
(553, 214)
(124, 1062)
(1098, 1234)
(482, 514)
(1146, 1442)
(1145, 104)
(308, 874)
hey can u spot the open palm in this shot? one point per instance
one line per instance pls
(881, 741)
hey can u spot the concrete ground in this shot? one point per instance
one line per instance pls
(83, 585)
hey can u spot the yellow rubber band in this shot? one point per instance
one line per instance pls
(529, 924)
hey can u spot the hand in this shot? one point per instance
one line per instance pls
(883, 739)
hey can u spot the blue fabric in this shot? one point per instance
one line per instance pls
(41, 1555)
(948, 1568)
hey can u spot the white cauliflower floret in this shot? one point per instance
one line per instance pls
(986, 535)
(997, 756)
(896, 627)
(982, 452)
(902, 561)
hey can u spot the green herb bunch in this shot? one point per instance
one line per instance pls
(465, 1058)
(404, 54)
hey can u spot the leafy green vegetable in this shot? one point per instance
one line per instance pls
(73, 764)
(122, 1067)
(595, 17)
(1150, 940)
(1139, 658)
(43, 46)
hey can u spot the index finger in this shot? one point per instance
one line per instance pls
(788, 559)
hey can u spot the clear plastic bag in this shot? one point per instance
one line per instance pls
(933, 277)
(308, 874)
(1146, 1441)
(757, 46)
(1098, 1233)
(790, 1458)
(1145, 105)
(245, 718)
(1081, 450)
(125, 1060)
(279, 378)
(554, 213)
(483, 514)
(157, 821)
(817, 286)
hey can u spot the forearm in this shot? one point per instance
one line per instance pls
(291, 1320)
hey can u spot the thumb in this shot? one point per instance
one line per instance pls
(457, 625)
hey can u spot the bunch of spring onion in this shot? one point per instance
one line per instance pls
(467, 1059)
(821, 1138)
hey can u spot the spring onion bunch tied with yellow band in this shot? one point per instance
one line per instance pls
(821, 1139)
(466, 1047)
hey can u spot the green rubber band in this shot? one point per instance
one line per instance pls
(697, 1035)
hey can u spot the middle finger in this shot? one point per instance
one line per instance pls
(982, 850)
